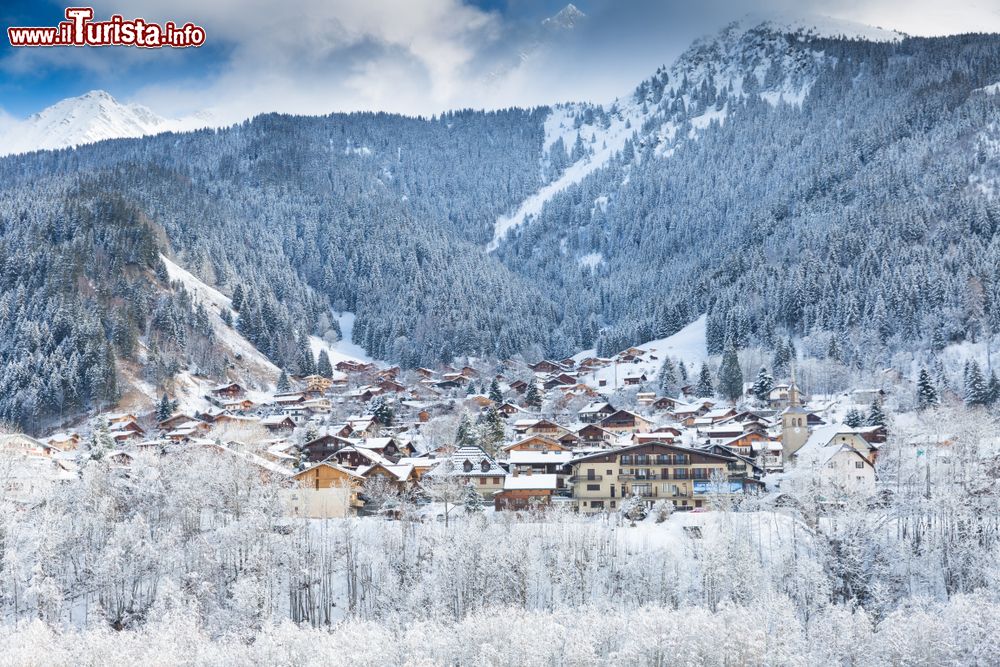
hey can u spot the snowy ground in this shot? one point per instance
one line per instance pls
(343, 349)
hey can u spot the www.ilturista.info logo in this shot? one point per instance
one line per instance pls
(80, 30)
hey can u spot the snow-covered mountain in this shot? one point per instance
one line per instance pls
(566, 18)
(86, 119)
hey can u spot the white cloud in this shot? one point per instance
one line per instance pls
(425, 56)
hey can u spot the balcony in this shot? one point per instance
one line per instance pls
(584, 478)
(638, 478)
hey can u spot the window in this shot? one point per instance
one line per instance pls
(496, 480)
(467, 466)
(608, 472)
(590, 474)
(612, 504)
(485, 466)
(593, 487)
(597, 504)
(859, 465)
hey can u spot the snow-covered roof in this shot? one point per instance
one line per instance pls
(530, 482)
(532, 456)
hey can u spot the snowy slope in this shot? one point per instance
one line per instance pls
(215, 301)
(91, 117)
(687, 346)
(343, 349)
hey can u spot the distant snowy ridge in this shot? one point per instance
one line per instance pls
(89, 118)
(754, 47)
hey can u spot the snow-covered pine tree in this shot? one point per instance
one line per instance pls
(926, 391)
(380, 409)
(763, 385)
(164, 408)
(472, 500)
(705, 387)
(533, 397)
(730, 375)
(284, 384)
(495, 394)
(667, 381)
(976, 387)
(854, 418)
(464, 435)
(876, 416)
(323, 365)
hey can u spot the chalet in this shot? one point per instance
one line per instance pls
(667, 404)
(507, 409)
(25, 445)
(278, 424)
(317, 406)
(560, 380)
(645, 398)
(595, 411)
(667, 435)
(535, 443)
(388, 448)
(389, 384)
(189, 429)
(351, 366)
(317, 384)
(238, 405)
(362, 394)
(356, 457)
(64, 441)
(634, 379)
(174, 420)
(390, 373)
(593, 435)
(227, 418)
(285, 400)
(425, 373)
(399, 476)
(519, 386)
(651, 470)
(231, 390)
(546, 366)
(593, 363)
(321, 448)
(421, 465)
(324, 491)
(783, 395)
(748, 444)
(525, 491)
(468, 372)
(364, 426)
(624, 421)
(476, 467)
(550, 462)
(544, 427)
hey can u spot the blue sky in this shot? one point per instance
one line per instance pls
(412, 56)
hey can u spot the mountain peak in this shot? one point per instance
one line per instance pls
(94, 116)
(566, 18)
